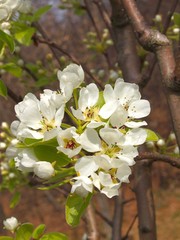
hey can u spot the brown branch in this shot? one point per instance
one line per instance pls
(91, 224)
(155, 157)
(118, 217)
(14, 96)
(158, 43)
(109, 222)
(125, 43)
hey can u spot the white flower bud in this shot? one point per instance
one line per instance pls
(158, 18)
(5, 25)
(161, 143)
(17, 49)
(20, 62)
(11, 175)
(176, 30)
(11, 223)
(172, 136)
(4, 125)
(43, 169)
(176, 150)
(2, 145)
(14, 141)
(150, 144)
(2, 135)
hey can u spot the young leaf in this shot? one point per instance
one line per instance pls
(15, 200)
(75, 207)
(24, 232)
(54, 236)
(24, 36)
(8, 40)
(37, 15)
(151, 136)
(3, 89)
(12, 68)
(38, 232)
(49, 153)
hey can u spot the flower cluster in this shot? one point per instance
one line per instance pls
(103, 143)
(10, 7)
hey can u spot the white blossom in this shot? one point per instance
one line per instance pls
(70, 78)
(25, 160)
(11, 223)
(88, 111)
(38, 118)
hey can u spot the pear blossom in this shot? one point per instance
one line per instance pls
(123, 105)
(67, 142)
(38, 118)
(70, 78)
(43, 170)
(88, 111)
(11, 224)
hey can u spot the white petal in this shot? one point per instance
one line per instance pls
(90, 140)
(94, 124)
(105, 179)
(77, 113)
(111, 136)
(59, 116)
(108, 109)
(133, 124)
(108, 93)
(139, 109)
(136, 136)
(111, 191)
(86, 166)
(119, 117)
(93, 94)
(123, 173)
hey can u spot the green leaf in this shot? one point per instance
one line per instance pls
(24, 232)
(38, 232)
(8, 40)
(62, 173)
(6, 238)
(177, 18)
(100, 101)
(151, 136)
(25, 36)
(3, 89)
(50, 154)
(75, 207)
(12, 68)
(54, 236)
(15, 200)
(37, 15)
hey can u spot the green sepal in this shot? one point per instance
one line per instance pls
(75, 207)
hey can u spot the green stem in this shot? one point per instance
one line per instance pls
(72, 117)
(75, 98)
(65, 125)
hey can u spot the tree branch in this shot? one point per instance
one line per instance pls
(155, 157)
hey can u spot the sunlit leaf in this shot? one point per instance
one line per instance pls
(54, 236)
(38, 231)
(37, 15)
(75, 207)
(8, 40)
(151, 136)
(24, 232)
(25, 36)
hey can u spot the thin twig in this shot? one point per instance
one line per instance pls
(129, 228)
(109, 222)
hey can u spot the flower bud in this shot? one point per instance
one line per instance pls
(176, 150)
(172, 136)
(176, 30)
(158, 18)
(20, 62)
(150, 144)
(4, 125)
(11, 223)
(43, 169)
(2, 145)
(161, 143)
